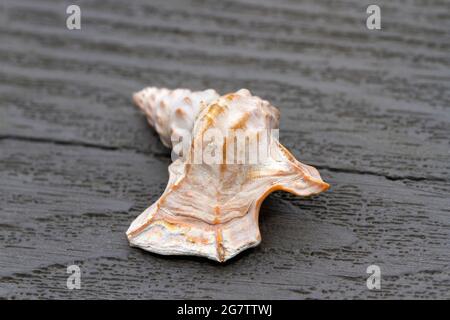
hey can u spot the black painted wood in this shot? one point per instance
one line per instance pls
(370, 109)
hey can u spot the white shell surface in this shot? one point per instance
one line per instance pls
(172, 112)
(212, 210)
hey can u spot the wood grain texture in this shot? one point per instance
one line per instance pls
(370, 109)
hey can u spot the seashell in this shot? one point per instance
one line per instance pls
(211, 208)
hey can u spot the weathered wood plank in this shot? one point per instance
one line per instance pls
(370, 109)
(398, 102)
(72, 204)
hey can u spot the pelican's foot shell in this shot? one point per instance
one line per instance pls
(211, 209)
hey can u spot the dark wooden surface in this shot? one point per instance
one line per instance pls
(370, 109)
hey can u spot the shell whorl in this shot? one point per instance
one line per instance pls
(172, 112)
